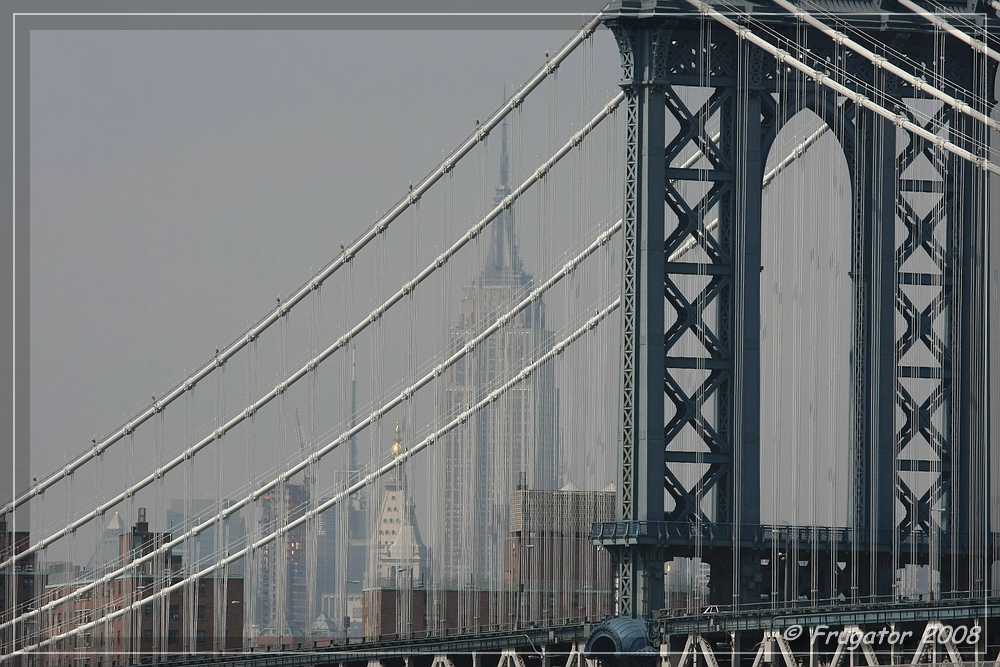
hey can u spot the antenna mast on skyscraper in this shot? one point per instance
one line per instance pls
(504, 155)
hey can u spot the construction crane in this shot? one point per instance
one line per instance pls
(306, 477)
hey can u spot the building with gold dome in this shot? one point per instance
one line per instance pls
(400, 560)
(401, 555)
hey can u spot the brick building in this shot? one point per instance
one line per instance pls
(386, 609)
(558, 575)
(18, 586)
(182, 621)
(396, 602)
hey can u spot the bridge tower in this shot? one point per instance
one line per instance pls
(667, 46)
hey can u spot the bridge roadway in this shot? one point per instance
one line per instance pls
(760, 618)
(538, 641)
(681, 536)
(551, 645)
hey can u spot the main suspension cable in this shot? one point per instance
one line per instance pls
(941, 24)
(881, 62)
(860, 99)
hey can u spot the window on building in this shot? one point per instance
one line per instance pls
(173, 637)
(201, 636)
(175, 611)
(147, 634)
(201, 587)
(29, 583)
(201, 612)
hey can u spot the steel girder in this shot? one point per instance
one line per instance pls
(640, 567)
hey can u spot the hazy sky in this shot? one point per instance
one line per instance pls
(182, 180)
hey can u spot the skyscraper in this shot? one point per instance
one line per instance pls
(282, 580)
(511, 443)
(345, 607)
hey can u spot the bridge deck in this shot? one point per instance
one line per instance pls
(684, 534)
(749, 618)
(483, 642)
(759, 618)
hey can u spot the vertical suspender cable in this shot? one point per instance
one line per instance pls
(834, 364)
(778, 389)
(798, 376)
(160, 567)
(742, 116)
(220, 583)
(280, 504)
(189, 564)
(251, 573)
(311, 484)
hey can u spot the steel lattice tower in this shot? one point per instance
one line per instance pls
(663, 48)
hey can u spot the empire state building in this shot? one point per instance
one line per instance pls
(511, 443)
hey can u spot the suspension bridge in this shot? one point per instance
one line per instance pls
(719, 390)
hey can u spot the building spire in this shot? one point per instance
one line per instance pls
(503, 262)
(397, 445)
(504, 160)
(395, 480)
